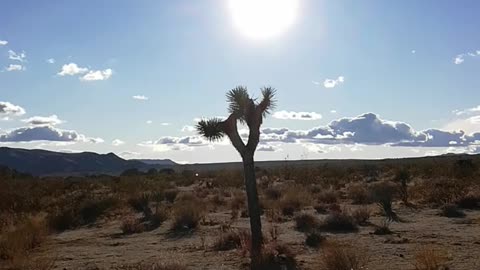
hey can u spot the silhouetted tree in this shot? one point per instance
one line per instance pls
(246, 110)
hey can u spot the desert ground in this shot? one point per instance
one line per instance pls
(364, 217)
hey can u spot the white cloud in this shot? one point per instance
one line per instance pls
(117, 142)
(188, 129)
(165, 124)
(267, 148)
(3, 42)
(333, 111)
(149, 122)
(50, 61)
(297, 115)
(414, 51)
(14, 67)
(45, 133)
(129, 154)
(72, 69)
(316, 83)
(331, 83)
(459, 59)
(51, 120)
(140, 97)
(97, 75)
(8, 109)
(175, 143)
(17, 56)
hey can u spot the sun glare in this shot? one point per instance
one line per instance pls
(263, 19)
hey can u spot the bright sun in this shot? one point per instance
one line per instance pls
(263, 19)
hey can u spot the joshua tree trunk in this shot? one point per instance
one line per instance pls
(244, 109)
(253, 208)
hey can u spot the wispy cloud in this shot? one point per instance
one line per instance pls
(117, 142)
(331, 83)
(165, 124)
(51, 61)
(140, 97)
(460, 58)
(149, 122)
(188, 129)
(97, 75)
(3, 42)
(51, 120)
(15, 67)
(17, 56)
(72, 69)
(297, 115)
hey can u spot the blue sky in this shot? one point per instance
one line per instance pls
(405, 62)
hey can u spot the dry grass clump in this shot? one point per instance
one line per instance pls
(277, 257)
(358, 193)
(170, 195)
(272, 193)
(343, 257)
(294, 199)
(306, 222)
(321, 208)
(327, 196)
(79, 213)
(429, 258)
(156, 266)
(230, 240)
(314, 239)
(440, 190)
(340, 222)
(471, 200)
(131, 225)
(186, 216)
(451, 210)
(361, 215)
(24, 237)
(383, 229)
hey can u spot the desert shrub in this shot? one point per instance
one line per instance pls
(441, 190)
(429, 258)
(383, 229)
(361, 215)
(171, 195)
(91, 210)
(358, 193)
(403, 177)
(343, 257)
(218, 200)
(277, 257)
(156, 266)
(314, 239)
(157, 218)
(306, 222)
(452, 211)
(26, 236)
(321, 208)
(470, 200)
(339, 222)
(131, 225)
(186, 216)
(228, 241)
(140, 203)
(383, 194)
(294, 199)
(327, 196)
(63, 219)
(273, 193)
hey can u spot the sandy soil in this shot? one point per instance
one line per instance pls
(103, 246)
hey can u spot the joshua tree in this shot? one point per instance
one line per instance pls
(246, 110)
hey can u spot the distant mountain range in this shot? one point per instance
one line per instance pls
(42, 162)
